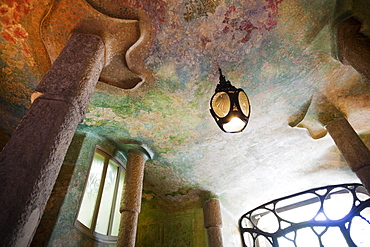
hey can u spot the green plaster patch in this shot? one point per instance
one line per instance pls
(165, 224)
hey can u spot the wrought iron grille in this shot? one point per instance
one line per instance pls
(337, 215)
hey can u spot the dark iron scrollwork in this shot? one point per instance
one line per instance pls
(337, 215)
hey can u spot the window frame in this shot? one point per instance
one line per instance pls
(90, 232)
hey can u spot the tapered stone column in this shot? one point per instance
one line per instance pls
(354, 46)
(352, 148)
(213, 222)
(131, 198)
(31, 160)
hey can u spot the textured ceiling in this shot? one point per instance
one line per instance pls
(164, 59)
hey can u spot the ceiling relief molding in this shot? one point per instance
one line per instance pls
(314, 115)
(127, 40)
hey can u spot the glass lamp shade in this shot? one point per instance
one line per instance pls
(220, 104)
(235, 125)
(231, 110)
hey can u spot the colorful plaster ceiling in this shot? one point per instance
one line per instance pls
(162, 69)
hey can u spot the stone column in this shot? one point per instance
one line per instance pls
(131, 198)
(31, 160)
(213, 222)
(352, 148)
(354, 46)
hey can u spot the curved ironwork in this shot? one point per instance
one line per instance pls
(323, 216)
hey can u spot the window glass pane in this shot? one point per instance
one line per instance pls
(262, 242)
(286, 241)
(117, 215)
(338, 203)
(360, 229)
(307, 238)
(104, 214)
(299, 208)
(334, 238)
(87, 207)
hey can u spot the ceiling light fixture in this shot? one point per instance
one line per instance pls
(230, 107)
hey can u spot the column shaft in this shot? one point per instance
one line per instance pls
(214, 236)
(131, 199)
(352, 148)
(354, 47)
(213, 222)
(31, 160)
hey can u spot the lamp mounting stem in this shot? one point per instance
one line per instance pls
(223, 84)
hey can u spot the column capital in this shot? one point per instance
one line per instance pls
(141, 150)
(133, 146)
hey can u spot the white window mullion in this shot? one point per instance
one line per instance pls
(98, 200)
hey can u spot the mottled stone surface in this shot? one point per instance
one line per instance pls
(52, 209)
(30, 163)
(354, 46)
(127, 229)
(131, 199)
(213, 222)
(212, 213)
(72, 77)
(352, 148)
(4, 138)
(364, 176)
(58, 194)
(214, 237)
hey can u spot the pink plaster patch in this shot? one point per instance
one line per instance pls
(272, 9)
(13, 11)
(204, 41)
(233, 22)
(8, 37)
(4, 10)
(20, 33)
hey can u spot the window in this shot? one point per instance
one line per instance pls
(337, 215)
(98, 215)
